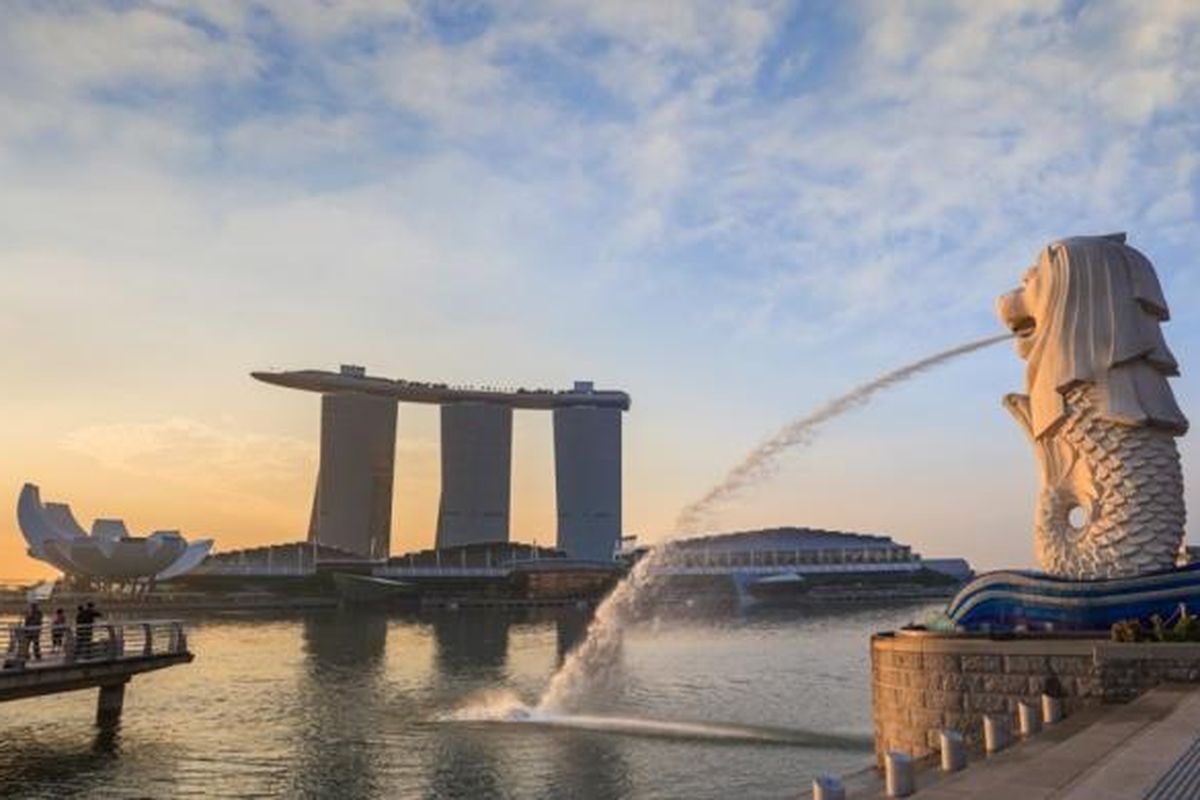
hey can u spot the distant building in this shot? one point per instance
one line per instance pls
(784, 546)
(352, 505)
(353, 500)
(957, 568)
(587, 477)
(805, 563)
(476, 474)
(109, 553)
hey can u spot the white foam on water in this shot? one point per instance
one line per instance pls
(491, 705)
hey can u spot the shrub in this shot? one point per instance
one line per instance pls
(1129, 630)
(1185, 628)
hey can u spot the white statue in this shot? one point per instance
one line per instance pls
(1099, 410)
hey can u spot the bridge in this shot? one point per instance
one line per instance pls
(102, 656)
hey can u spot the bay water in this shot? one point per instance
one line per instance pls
(356, 703)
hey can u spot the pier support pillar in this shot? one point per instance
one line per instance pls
(110, 703)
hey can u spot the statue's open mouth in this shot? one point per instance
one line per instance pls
(1023, 327)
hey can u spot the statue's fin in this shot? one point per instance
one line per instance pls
(1018, 406)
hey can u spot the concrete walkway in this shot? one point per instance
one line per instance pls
(1111, 753)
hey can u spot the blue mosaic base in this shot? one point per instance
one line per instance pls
(1010, 600)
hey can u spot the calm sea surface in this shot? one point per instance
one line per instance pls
(345, 704)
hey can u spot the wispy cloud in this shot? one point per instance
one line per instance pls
(716, 143)
(193, 453)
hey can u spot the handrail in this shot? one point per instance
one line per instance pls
(220, 568)
(103, 641)
(445, 570)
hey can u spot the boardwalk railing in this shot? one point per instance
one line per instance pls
(102, 642)
(447, 571)
(256, 569)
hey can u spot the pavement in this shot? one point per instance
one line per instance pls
(1148, 749)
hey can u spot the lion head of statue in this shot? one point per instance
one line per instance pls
(1090, 311)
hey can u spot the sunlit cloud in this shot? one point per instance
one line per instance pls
(194, 453)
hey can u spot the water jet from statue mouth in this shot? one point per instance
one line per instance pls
(512, 714)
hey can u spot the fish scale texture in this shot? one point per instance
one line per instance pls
(1136, 515)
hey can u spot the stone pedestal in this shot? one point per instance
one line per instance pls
(924, 682)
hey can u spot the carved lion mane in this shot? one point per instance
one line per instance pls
(1089, 311)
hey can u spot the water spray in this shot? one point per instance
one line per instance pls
(594, 661)
(761, 462)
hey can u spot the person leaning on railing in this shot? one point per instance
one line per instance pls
(31, 636)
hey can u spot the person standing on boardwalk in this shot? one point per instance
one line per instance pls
(33, 632)
(58, 630)
(83, 629)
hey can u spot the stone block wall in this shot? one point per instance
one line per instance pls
(924, 682)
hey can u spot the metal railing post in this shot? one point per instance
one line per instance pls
(69, 646)
(175, 635)
(18, 648)
(116, 641)
(148, 645)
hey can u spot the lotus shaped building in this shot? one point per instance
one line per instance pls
(109, 552)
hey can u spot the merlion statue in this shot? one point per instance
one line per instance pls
(1098, 409)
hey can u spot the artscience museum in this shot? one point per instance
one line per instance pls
(108, 554)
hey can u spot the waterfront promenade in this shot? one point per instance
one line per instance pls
(1148, 749)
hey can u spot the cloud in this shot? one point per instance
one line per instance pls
(194, 453)
(99, 48)
(765, 167)
(189, 451)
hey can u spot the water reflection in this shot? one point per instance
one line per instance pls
(54, 765)
(338, 744)
(351, 638)
(591, 766)
(472, 642)
(571, 626)
(473, 648)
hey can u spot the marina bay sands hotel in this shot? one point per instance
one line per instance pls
(352, 506)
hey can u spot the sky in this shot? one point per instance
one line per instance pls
(734, 211)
